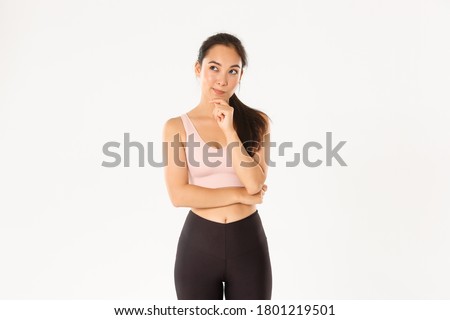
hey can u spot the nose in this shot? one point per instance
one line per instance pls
(222, 81)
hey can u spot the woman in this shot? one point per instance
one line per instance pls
(218, 170)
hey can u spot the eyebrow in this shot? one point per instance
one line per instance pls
(234, 65)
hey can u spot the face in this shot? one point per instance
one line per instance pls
(220, 72)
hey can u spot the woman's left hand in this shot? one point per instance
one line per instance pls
(223, 114)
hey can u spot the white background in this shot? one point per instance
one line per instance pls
(76, 75)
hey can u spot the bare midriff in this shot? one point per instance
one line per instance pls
(226, 214)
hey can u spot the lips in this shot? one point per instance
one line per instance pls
(218, 91)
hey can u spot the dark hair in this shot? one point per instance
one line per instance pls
(249, 123)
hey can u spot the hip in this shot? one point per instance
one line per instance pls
(223, 239)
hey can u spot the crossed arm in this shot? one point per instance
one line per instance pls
(183, 194)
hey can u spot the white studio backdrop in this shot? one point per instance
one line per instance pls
(75, 75)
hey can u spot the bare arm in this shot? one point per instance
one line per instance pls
(183, 194)
(189, 195)
(251, 171)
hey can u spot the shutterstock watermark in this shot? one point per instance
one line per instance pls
(113, 149)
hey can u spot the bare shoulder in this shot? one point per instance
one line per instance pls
(174, 126)
(173, 123)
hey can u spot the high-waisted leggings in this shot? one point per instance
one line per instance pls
(215, 258)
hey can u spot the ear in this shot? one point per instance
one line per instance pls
(197, 68)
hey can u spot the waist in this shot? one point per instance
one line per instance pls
(226, 214)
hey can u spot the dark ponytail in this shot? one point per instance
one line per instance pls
(249, 123)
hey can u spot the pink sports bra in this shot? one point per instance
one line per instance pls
(212, 169)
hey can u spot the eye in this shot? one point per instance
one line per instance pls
(235, 71)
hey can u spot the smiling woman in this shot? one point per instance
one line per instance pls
(223, 239)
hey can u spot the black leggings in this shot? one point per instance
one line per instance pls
(210, 253)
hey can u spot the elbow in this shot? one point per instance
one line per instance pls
(255, 185)
(179, 197)
(176, 204)
(254, 188)
(176, 200)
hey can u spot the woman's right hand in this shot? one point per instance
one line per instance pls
(251, 199)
